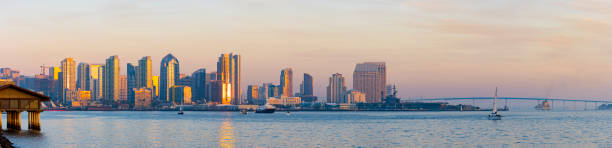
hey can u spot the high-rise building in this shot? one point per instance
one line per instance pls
(354, 96)
(145, 73)
(54, 75)
(264, 91)
(215, 92)
(54, 72)
(155, 83)
(228, 73)
(123, 92)
(370, 78)
(198, 85)
(307, 85)
(252, 94)
(336, 91)
(84, 77)
(286, 82)
(68, 81)
(132, 83)
(112, 80)
(180, 94)
(95, 76)
(169, 75)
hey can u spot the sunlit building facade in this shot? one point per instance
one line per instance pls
(286, 82)
(142, 98)
(144, 73)
(180, 94)
(169, 75)
(336, 90)
(228, 74)
(68, 81)
(112, 80)
(370, 78)
(354, 96)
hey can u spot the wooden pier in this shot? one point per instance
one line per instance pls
(14, 100)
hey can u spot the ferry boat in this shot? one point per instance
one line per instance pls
(265, 109)
(545, 105)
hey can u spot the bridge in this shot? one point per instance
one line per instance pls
(552, 100)
(511, 98)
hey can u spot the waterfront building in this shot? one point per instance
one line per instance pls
(155, 84)
(198, 85)
(142, 98)
(132, 82)
(180, 93)
(284, 101)
(336, 90)
(68, 81)
(215, 92)
(252, 94)
(83, 81)
(96, 80)
(371, 78)
(228, 74)
(112, 80)
(286, 82)
(123, 93)
(307, 85)
(82, 99)
(144, 73)
(354, 96)
(169, 75)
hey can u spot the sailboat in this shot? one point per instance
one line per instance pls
(181, 108)
(494, 115)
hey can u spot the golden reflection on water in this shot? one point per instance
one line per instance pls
(226, 134)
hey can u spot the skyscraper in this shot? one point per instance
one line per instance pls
(98, 81)
(132, 80)
(370, 78)
(155, 90)
(169, 75)
(252, 94)
(228, 74)
(307, 85)
(336, 91)
(123, 92)
(145, 73)
(198, 85)
(84, 77)
(111, 80)
(286, 82)
(68, 82)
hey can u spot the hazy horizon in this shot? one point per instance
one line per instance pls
(440, 48)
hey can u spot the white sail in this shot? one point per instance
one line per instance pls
(495, 101)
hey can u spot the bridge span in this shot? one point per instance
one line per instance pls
(512, 98)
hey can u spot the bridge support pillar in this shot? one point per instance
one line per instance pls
(34, 120)
(13, 120)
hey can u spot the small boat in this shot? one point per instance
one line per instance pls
(545, 105)
(181, 108)
(244, 112)
(494, 115)
(265, 109)
(288, 113)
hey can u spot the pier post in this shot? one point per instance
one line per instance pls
(13, 120)
(34, 120)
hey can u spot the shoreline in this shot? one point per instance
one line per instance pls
(5, 142)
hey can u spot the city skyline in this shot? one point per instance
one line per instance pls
(428, 54)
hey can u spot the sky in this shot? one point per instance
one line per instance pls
(435, 48)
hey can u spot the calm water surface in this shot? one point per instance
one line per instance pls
(317, 129)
